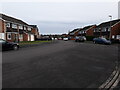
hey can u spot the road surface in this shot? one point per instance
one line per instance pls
(64, 64)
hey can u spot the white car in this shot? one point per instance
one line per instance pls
(65, 39)
(56, 39)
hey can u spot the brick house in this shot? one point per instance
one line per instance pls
(115, 31)
(35, 31)
(73, 33)
(110, 29)
(90, 31)
(87, 31)
(15, 30)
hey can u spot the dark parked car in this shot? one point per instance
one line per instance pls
(101, 41)
(44, 39)
(9, 45)
(80, 38)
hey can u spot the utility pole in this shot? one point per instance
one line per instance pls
(110, 26)
(119, 10)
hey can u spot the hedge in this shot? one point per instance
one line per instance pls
(89, 38)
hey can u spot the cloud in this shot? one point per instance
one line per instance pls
(62, 16)
(59, 1)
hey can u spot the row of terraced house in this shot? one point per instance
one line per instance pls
(15, 30)
(109, 30)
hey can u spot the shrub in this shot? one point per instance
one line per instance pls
(89, 38)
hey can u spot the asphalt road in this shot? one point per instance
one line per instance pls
(64, 64)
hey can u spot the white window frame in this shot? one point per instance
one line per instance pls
(118, 37)
(108, 29)
(7, 24)
(21, 36)
(9, 38)
(104, 30)
(25, 28)
(29, 28)
(113, 36)
(94, 30)
(20, 27)
(14, 26)
(97, 30)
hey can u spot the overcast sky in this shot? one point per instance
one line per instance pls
(61, 17)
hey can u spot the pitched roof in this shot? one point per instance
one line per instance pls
(74, 30)
(11, 19)
(86, 27)
(104, 24)
(34, 26)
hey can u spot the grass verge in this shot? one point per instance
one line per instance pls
(32, 42)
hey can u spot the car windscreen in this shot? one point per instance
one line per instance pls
(104, 39)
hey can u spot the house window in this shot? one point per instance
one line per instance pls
(20, 27)
(113, 36)
(7, 24)
(9, 36)
(14, 26)
(118, 37)
(29, 28)
(20, 36)
(103, 30)
(2, 36)
(25, 28)
(106, 29)
(94, 30)
(97, 30)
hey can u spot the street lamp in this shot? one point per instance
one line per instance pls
(110, 26)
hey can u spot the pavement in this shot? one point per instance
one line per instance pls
(64, 64)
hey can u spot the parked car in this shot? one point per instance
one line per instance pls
(9, 45)
(101, 41)
(60, 38)
(55, 38)
(44, 38)
(65, 39)
(80, 38)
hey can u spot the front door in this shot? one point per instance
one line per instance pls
(16, 38)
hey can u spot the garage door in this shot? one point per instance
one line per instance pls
(32, 37)
(2, 36)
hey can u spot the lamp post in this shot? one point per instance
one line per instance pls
(110, 26)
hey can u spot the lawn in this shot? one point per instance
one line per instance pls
(32, 42)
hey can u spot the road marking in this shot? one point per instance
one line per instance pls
(112, 81)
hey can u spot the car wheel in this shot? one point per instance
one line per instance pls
(15, 47)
